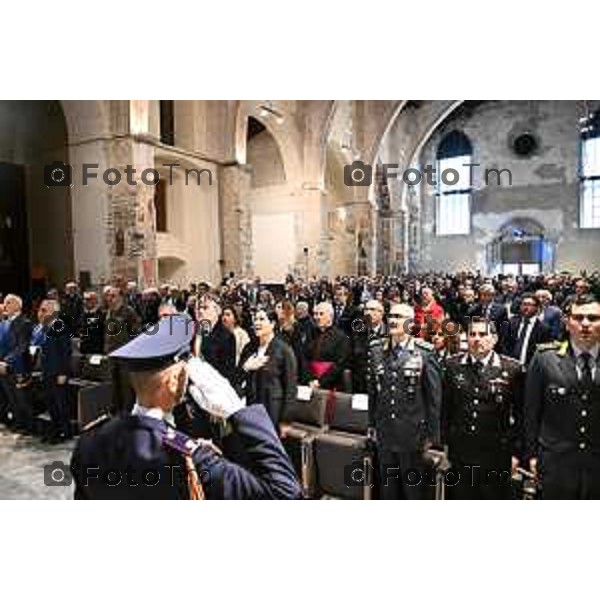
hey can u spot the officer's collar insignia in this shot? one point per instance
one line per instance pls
(562, 349)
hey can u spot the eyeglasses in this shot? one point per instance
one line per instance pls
(396, 316)
(582, 318)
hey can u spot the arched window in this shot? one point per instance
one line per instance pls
(453, 195)
(589, 173)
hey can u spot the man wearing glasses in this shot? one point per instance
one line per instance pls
(562, 408)
(404, 406)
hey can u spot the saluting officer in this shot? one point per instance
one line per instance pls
(144, 456)
(404, 406)
(562, 408)
(482, 417)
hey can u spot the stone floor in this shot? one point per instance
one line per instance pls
(22, 461)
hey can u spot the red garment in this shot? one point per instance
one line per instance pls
(435, 311)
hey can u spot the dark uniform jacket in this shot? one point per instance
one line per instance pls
(561, 416)
(405, 402)
(136, 449)
(482, 411)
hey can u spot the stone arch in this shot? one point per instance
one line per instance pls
(172, 269)
(263, 155)
(285, 133)
(34, 134)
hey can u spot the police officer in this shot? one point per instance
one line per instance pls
(482, 417)
(404, 407)
(143, 455)
(562, 407)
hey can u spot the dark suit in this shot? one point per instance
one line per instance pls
(552, 319)
(17, 383)
(218, 349)
(482, 424)
(91, 332)
(493, 312)
(511, 343)
(134, 445)
(562, 424)
(275, 384)
(54, 361)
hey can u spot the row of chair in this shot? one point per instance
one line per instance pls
(325, 436)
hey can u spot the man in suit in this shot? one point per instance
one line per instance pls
(213, 341)
(344, 313)
(144, 456)
(53, 343)
(370, 327)
(523, 333)
(72, 306)
(488, 308)
(562, 408)
(482, 416)
(550, 314)
(92, 325)
(15, 364)
(121, 325)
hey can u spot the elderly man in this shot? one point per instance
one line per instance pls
(121, 325)
(144, 456)
(72, 306)
(53, 343)
(329, 352)
(488, 308)
(15, 364)
(550, 314)
(365, 330)
(562, 408)
(404, 406)
(91, 330)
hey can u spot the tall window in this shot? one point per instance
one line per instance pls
(453, 195)
(160, 206)
(167, 122)
(589, 177)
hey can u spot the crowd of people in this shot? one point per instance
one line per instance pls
(405, 339)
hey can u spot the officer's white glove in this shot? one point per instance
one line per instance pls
(211, 391)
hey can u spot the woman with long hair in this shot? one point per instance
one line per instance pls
(231, 321)
(268, 372)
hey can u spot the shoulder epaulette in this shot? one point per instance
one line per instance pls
(182, 443)
(548, 346)
(423, 344)
(510, 360)
(101, 420)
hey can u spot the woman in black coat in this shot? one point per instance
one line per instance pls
(268, 372)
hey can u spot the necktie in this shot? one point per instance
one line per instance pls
(521, 340)
(586, 370)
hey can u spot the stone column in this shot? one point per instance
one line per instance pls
(236, 220)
